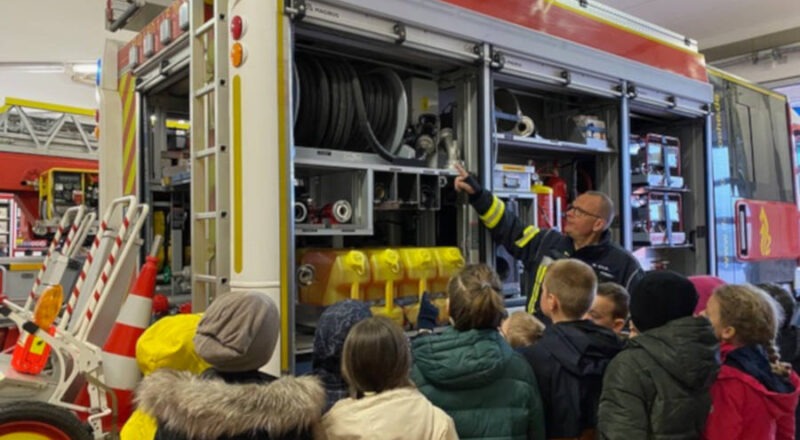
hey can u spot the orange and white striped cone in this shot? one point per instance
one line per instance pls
(120, 370)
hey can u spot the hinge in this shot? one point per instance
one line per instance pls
(498, 60)
(672, 101)
(400, 31)
(631, 92)
(296, 9)
(567, 75)
(479, 51)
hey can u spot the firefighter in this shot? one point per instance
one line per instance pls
(586, 238)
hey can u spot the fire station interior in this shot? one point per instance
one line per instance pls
(304, 154)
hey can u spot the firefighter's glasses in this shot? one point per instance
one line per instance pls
(580, 212)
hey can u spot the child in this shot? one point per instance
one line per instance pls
(705, 285)
(383, 403)
(233, 400)
(610, 307)
(658, 387)
(755, 395)
(521, 329)
(332, 329)
(471, 372)
(570, 359)
(788, 335)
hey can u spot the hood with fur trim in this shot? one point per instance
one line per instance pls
(211, 408)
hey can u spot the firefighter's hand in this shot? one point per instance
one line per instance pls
(428, 313)
(466, 182)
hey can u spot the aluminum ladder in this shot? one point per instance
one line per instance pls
(210, 166)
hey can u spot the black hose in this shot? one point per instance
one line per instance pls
(350, 107)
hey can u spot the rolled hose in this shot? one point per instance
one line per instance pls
(300, 212)
(339, 211)
(338, 108)
(525, 127)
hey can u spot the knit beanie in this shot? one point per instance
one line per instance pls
(705, 285)
(660, 297)
(332, 328)
(238, 332)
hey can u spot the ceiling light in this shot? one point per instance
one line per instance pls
(87, 68)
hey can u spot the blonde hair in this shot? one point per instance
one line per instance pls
(475, 301)
(755, 316)
(523, 329)
(376, 357)
(574, 283)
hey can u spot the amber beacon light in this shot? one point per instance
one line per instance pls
(237, 54)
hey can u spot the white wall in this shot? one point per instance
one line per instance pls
(55, 88)
(51, 31)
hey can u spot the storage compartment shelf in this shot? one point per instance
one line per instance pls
(676, 182)
(331, 200)
(529, 143)
(332, 230)
(645, 189)
(366, 182)
(666, 246)
(357, 160)
(514, 195)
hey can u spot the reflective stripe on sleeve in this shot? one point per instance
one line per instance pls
(527, 236)
(495, 213)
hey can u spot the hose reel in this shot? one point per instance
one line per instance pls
(341, 107)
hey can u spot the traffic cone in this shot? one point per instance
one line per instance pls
(120, 371)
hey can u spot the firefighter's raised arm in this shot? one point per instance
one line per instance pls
(506, 227)
(465, 182)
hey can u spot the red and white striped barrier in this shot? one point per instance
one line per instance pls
(129, 204)
(72, 215)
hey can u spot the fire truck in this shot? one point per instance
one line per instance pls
(48, 156)
(305, 149)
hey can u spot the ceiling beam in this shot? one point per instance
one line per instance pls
(752, 45)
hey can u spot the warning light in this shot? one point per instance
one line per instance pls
(237, 54)
(237, 27)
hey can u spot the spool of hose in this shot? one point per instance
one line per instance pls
(525, 127)
(300, 212)
(341, 108)
(507, 112)
(338, 212)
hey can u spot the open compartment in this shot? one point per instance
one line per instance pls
(551, 143)
(333, 201)
(381, 124)
(668, 189)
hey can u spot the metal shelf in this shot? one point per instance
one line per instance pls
(321, 229)
(323, 158)
(645, 179)
(542, 144)
(674, 246)
(514, 195)
(646, 188)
